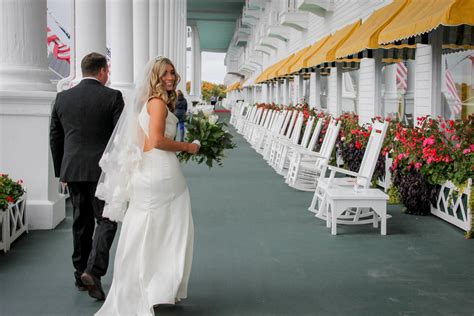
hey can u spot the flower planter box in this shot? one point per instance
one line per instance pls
(13, 223)
(453, 206)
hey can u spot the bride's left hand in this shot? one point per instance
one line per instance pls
(193, 148)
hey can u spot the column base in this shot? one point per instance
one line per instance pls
(390, 104)
(45, 214)
(21, 78)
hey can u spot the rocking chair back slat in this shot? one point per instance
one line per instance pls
(315, 135)
(307, 131)
(371, 154)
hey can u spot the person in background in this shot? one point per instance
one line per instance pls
(213, 102)
(180, 111)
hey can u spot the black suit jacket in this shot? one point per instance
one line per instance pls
(82, 121)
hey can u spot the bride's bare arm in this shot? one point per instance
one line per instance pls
(158, 112)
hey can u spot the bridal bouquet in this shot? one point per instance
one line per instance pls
(212, 135)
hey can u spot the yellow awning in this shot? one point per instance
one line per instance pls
(328, 52)
(259, 79)
(285, 69)
(367, 35)
(272, 73)
(303, 60)
(420, 17)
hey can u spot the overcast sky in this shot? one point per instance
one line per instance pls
(213, 69)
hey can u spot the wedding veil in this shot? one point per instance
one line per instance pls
(123, 152)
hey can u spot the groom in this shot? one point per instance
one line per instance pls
(82, 121)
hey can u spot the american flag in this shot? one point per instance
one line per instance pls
(59, 50)
(402, 73)
(456, 104)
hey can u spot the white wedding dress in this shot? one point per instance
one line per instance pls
(154, 252)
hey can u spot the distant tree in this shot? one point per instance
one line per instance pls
(209, 89)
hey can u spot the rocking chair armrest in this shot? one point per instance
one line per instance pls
(344, 171)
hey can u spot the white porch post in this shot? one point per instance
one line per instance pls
(141, 27)
(154, 32)
(300, 91)
(26, 97)
(295, 90)
(89, 30)
(265, 91)
(313, 90)
(286, 91)
(121, 46)
(195, 62)
(410, 94)
(278, 92)
(334, 103)
(370, 88)
(390, 96)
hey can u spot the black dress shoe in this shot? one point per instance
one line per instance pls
(79, 284)
(94, 287)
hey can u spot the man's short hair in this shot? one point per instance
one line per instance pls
(92, 63)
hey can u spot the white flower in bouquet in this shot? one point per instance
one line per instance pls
(213, 119)
(213, 138)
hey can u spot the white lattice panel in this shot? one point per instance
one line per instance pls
(13, 222)
(454, 208)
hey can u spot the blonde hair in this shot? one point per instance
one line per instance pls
(155, 86)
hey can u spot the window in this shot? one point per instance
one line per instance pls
(457, 90)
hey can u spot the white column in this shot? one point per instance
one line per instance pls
(141, 27)
(26, 95)
(89, 30)
(195, 62)
(390, 96)
(294, 100)
(436, 63)
(370, 88)
(312, 90)
(317, 90)
(265, 98)
(285, 92)
(300, 91)
(278, 92)
(182, 42)
(334, 103)
(410, 94)
(156, 28)
(121, 46)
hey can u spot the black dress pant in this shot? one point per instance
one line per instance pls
(91, 248)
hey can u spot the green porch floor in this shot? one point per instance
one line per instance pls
(258, 251)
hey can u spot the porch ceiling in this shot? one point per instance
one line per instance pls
(215, 20)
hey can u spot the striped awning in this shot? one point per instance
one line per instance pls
(285, 70)
(276, 71)
(302, 62)
(420, 17)
(268, 74)
(367, 35)
(327, 53)
(234, 86)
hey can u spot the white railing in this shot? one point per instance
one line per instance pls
(453, 205)
(13, 223)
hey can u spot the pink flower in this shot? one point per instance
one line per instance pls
(428, 141)
(418, 165)
(458, 145)
(466, 151)
(472, 147)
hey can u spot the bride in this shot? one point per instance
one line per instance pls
(143, 186)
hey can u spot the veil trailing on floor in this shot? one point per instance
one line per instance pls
(124, 152)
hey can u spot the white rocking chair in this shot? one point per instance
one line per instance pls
(355, 181)
(306, 165)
